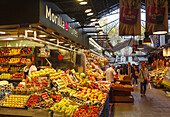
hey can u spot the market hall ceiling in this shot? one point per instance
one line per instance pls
(100, 8)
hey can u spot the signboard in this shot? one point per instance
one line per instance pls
(156, 8)
(23, 13)
(130, 17)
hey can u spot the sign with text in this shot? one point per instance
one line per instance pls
(156, 8)
(130, 19)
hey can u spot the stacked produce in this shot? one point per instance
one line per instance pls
(64, 106)
(26, 50)
(3, 60)
(15, 60)
(5, 76)
(17, 76)
(34, 99)
(15, 101)
(14, 69)
(14, 51)
(44, 105)
(85, 111)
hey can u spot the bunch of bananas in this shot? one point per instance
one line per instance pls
(64, 106)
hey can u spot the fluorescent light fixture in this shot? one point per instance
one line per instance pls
(88, 10)
(89, 14)
(92, 42)
(42, 36)
(9, 39)
(52, 39)
(2, 32)
(66, 44)
(79, 0)
(29, 30)
(93, 19)
(83, 3)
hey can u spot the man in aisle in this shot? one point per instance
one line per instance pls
(110, 72)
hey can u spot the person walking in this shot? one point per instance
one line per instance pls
(134, 75)
(110, 72)
(143, 76)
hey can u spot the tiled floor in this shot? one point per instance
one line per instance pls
(155, 104)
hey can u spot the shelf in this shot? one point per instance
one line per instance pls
(12, 79)
(122, 89)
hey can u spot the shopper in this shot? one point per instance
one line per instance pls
(29, 68)
(129, 70)
(118, 71)
(110, 72)
(143, 80)
(134, 75)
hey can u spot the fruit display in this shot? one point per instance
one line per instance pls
(24, 90)
(6, 87)
(3, 60)
(4, 68)
(56, 98)
(92, 94)
(14, 60)
(85, 111)
(4, 52)
(15, 101)
(61, 83)
(17, 76)
(14, 69)
(5, 76)
(34, 99)
(14, 51)
(64, 106)
(45, 96)
(39, 82)
(44, 105)
(23, 60)
(25, 51)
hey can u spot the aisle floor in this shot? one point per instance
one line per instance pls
(155, 104)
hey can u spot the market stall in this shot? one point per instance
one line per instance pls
(57, 92)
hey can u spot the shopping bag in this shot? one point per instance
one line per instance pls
(149, 85)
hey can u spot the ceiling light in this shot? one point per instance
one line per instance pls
(52, 39)
(147, 40)
(83, 3)
(89, 14)
(92, 20)
(2, 32)
(88, 10)
(160, 28)
(97, 25)
(79, 0)
(42, 35)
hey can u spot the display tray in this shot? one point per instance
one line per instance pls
(24, 105)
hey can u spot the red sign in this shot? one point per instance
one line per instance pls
(60, 57)
(66, 26)
(129, 15)
(152, 12)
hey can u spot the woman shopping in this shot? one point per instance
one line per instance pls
(144, 77)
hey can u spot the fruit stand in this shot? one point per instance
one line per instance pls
(56, 93)
(12, 61)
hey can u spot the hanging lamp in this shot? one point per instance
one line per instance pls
(147, 40)
(160, 28)
(140, 46)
